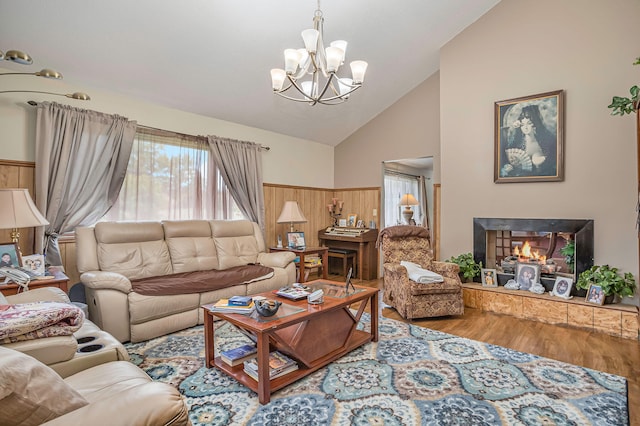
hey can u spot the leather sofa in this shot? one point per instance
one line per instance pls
(112, 254)
(114, 393)
(67, 355)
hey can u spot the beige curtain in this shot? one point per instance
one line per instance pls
(240, 164)
(81, 160)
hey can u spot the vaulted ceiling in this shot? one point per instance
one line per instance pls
(213, 57)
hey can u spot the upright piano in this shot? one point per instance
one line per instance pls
(362, 240)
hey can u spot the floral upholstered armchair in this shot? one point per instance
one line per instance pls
(413, 299)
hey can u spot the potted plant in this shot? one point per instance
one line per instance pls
(612, 282)
(569, 253)
(469, 269)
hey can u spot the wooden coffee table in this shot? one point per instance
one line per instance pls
(314, 335)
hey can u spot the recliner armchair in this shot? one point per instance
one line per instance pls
(409, 298)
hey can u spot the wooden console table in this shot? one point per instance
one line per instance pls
(59, 280)
(615, 319)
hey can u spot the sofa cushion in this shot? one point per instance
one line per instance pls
(32, 393)
(190, 245)
(235, 241)
(146, 308)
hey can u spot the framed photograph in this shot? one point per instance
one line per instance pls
(10, 255)
(489, 278)
(296, 240)
(562, 287)
(595, 294)
(352, 220)
(360, 224)
(527, 274)
(342, 223)
(34, 263)
(529, 139)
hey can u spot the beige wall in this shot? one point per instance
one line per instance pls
(410, 128)
(290, 160)
(521, 48)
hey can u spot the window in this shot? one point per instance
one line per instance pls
(171, 177)
(395, 186)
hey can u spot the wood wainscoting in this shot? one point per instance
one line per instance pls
(614, 319)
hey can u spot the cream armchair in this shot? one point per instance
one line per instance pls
(114, 393)
(87, 347)
(409, 298)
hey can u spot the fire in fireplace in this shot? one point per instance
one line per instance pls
(501, 243)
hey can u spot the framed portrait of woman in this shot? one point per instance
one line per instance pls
(529, 138)
(527, 274)
(562, 287)
(489, 278)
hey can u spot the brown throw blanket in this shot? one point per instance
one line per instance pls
(403, 231)
(200, 281)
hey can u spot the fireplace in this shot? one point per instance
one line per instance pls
(496, 239)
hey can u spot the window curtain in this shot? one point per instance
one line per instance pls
(395, 186)
(424, 201)
(81, 160)
(240, 164)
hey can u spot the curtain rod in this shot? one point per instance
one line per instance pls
(266, 148)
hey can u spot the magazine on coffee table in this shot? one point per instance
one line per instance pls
(294, 293)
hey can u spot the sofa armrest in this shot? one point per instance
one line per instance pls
(44, 294)
(106, 280)
(279, 259)
(152, 403)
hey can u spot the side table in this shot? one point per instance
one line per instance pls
(59, 280)
(322, 251)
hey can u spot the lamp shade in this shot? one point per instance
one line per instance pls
(408, 200)
(291, 213)
(18, 210)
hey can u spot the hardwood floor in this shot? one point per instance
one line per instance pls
(597, 351)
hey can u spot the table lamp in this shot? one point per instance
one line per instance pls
(291, 214)
(408, 200)
(18, 211)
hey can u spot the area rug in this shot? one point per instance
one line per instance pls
(411, 376)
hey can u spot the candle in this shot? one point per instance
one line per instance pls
(341, 203)
(335, 200)
(330, 207)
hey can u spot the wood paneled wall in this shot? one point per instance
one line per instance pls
(313, 203)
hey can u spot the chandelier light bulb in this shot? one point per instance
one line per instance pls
(277, 78)
(291, 60)
(340, 44)
(306, 87)
(334, 58)
(345, 85)
(310, 38)
(358, 69)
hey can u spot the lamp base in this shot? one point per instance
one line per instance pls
(407, 214)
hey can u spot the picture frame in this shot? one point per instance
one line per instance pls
(595, 295)
(529, 138)
(10, 255)
(360, 224)
(489, 277)
(527, 274)
(34, 263)
(352, 220)
(562, 287)
(295, 240)
(342, 223)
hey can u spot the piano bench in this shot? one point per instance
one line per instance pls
(346, 255)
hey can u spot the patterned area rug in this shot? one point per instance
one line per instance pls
(412, 376)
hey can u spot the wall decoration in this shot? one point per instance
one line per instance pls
(529, 139)
(527, 274)
(489, 278)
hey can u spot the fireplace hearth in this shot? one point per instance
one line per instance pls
(496, 239)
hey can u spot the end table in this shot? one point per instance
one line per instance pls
(322, 251)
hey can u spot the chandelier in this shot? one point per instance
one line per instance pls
(24, 59)
(312, 72)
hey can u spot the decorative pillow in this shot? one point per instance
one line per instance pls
(32, 393)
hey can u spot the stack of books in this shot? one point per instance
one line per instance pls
(279, 365)
(238, 355)
(231, 306)
(312, 260)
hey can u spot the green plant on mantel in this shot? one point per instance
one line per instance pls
(569, 253)
(622, 106)
(609, 279)
(469, 269)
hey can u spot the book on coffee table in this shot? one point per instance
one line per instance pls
(293, 293)
(279, 365)
(223, 305)
(238, 355)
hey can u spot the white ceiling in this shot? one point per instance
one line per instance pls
(212, 57)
